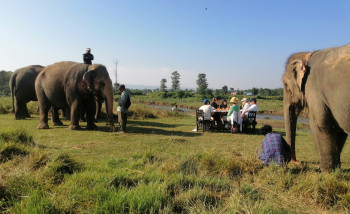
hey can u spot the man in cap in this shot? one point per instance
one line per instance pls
(122, 108)
(207, 110)
(88, 57)
(253, 107)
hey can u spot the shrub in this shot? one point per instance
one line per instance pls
(63, 164)
(16, 136)
(9, 152)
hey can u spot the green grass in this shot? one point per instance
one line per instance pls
(267, 105)
(160, 166)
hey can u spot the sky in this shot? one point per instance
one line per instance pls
(240, 44)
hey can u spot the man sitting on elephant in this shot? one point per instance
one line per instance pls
(88, 57)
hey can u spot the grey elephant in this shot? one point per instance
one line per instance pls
(319, 81)
(61, 85)
(23, 89)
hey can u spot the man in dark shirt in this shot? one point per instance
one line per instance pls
(88, 57)
(217, 118)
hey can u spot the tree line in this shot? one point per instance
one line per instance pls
(4, 83)
(202, 88)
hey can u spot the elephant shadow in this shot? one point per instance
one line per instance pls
(156, 131)
(153, 124)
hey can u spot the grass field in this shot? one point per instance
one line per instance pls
(160, 166)
(267, 105)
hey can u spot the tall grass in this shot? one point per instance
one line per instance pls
(171, 170)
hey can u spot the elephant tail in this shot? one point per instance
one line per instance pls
(12, 85)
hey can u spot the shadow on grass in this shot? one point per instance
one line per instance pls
(154, 124)
(155, 131)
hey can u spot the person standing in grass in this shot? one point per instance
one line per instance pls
(122, 108)
(274, 148)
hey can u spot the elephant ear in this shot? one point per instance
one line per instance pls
(299, 69)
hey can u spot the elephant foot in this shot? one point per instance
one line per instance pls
(91, 127)
(20, 117)
(43, 126)
(58, 123)
(295, 162)
(74, 127)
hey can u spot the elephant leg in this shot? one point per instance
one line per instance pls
(44, 111)
(326, 142)
(26, 113)
(90, 112)
(340, 138)
(66, 112)
(82, 115)
(55, 119)
(20, 113)
(75, 115)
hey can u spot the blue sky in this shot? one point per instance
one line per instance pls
(241, 44)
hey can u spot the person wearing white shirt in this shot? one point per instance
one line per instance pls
(245, 104)
(207, 110)
(253, 107)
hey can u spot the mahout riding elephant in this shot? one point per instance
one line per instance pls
(22, 87)
(61, 85)
(319, 82)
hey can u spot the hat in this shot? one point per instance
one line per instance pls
(88, 49)
(252, 100)
(234, 100)
(244, 99)
(121, 86)
(205, 101)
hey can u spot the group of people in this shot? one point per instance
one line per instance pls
(123, 101)
(274, 148)
(236, 114)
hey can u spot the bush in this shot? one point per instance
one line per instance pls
(16, 136)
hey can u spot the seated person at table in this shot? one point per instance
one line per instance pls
(253, 107)
(232, 115)
(215, 105)
(207, 110)
(223, 105)
(274, 148)
(245, 104)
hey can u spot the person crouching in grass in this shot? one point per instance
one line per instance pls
(274, 148)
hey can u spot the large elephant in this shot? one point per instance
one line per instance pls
(60, 85)
(22, 87)
(318, 81)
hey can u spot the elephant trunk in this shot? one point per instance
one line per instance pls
(290, 121)
(108, 96)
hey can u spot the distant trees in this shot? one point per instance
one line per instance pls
(202, 84)
(163, 85)
(4, 82)
(255, 91)
(175, 81)
(224, 89)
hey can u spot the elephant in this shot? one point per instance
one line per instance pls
(318, 81)
(61, 85)
(23, 89)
